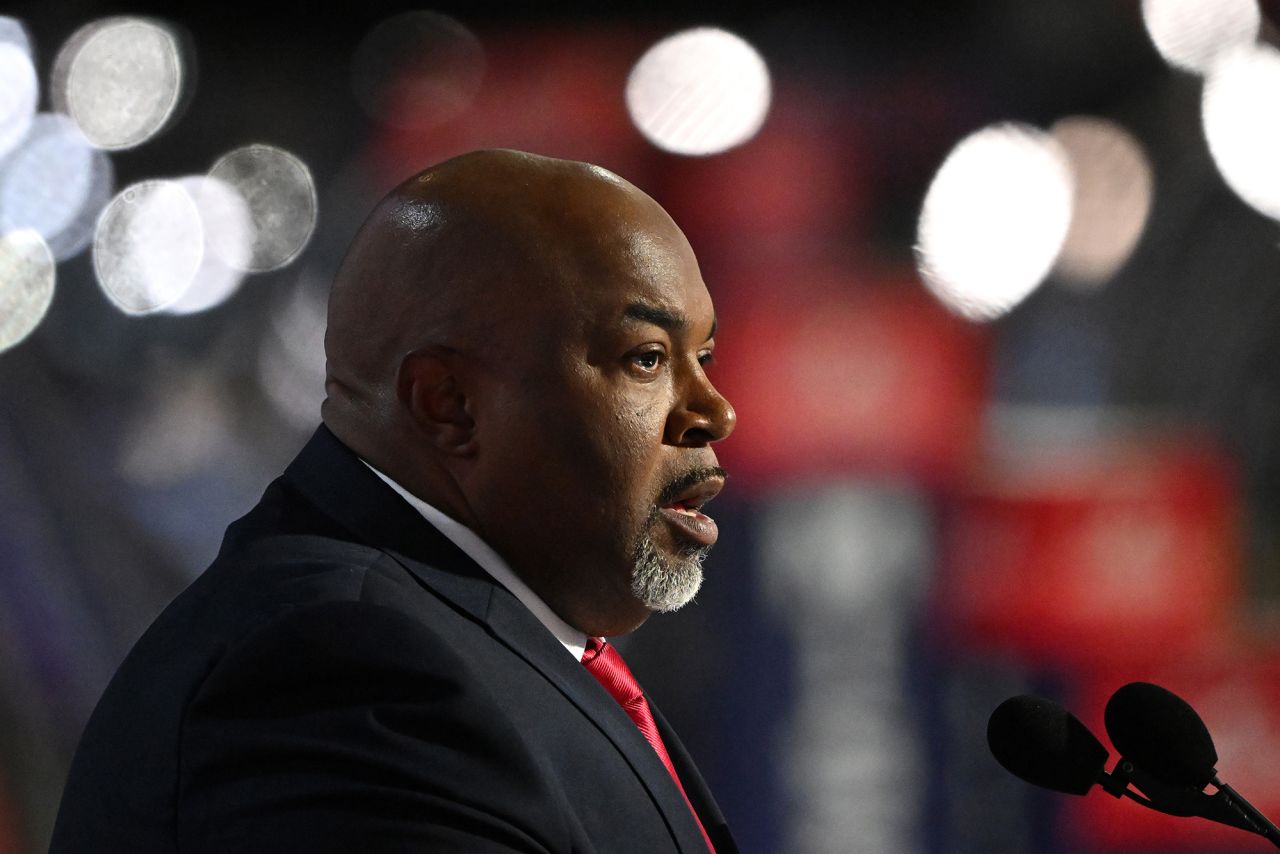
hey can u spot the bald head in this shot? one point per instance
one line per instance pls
(448, 257)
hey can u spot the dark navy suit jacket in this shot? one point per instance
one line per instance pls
(343, 678)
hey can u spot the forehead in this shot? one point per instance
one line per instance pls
(588, 252)
(642, 268)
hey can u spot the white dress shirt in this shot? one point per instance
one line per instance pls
(491, 562)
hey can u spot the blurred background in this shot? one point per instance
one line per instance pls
(999, 298)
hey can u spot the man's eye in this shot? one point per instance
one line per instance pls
(706, 358)
(648, 360)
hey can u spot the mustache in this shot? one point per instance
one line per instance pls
(688, 479)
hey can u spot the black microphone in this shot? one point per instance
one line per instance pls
(1167, 752)
(1041, 742)
(1161, 734)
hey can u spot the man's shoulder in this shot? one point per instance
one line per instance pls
(287, 551)
(279, 633)
(296, 569)
(257, 581)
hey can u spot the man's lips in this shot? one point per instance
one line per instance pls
(684, 511)
(692, 524)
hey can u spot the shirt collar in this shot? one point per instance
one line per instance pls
(491, 562)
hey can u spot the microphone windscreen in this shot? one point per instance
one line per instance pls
(1041, 742)
(1160, 733)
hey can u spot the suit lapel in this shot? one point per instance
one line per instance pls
(695, 787)
(334, 479)
(510, 622)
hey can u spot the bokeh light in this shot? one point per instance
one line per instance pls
(27, 275)
(1113, 184)
(1192, 34)
(226, 224)
(56, 183)
(120, 80)
(148, 246)
(993, 220)
(417, 69)
(12, 32)
(19, 92)
(281, 196)
(700, 91)
(1242, 126)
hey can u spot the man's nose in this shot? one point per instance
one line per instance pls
(702, 416)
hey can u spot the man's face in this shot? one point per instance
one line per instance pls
(596, 427)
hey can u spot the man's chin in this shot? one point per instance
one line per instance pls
(664, 580)
(674, 603)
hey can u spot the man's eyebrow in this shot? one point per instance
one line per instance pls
(668, 320)
(646, 313)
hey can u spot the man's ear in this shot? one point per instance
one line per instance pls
(430, 391)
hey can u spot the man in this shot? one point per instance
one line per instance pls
(388, 653)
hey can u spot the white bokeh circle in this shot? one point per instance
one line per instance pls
(994, 219)
(698, 92)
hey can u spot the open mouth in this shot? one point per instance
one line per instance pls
(681, 507)
(684, 512)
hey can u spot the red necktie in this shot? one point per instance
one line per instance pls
(606, 665)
